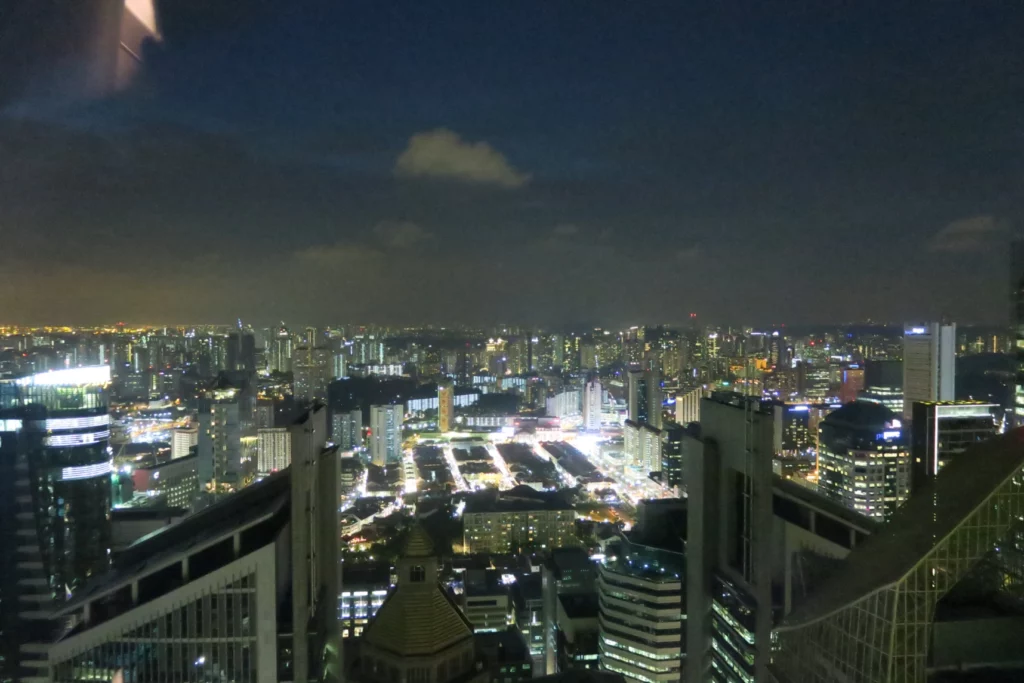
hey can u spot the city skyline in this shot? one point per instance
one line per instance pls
(365, 163)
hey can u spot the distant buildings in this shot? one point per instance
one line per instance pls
(564, 404)
(177, 481)
(864, 459)
(386, 434)
(1017, 320)
(516, 520)
(273, 450)
(929, 364)
(944, 431)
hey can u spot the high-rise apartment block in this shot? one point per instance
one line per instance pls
(593, 398)
(347, 429)
(642, 445)
(688, 406)
(516, 520)
(386, 434)
(645, 397)
(445, 406)
(929, 364)
(312, 367)
(273, 450)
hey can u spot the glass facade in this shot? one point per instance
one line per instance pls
(55, 499)
(212, 638)
(884, 636)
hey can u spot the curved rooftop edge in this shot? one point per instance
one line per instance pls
(917, 529)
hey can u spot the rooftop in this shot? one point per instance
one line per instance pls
(918, 527)
(862, 414)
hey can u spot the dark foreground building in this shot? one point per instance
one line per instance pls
(55, 466)
(245, 590)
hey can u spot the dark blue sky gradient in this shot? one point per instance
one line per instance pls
(753, 162)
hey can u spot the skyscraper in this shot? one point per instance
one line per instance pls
(445, 406)
(944, 431)
(55, 497)
(645, 397)
(864, 459)
(593, 396)
(929, 364)
(386, 434)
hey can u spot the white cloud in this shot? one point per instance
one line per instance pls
(968, 234)
(400, 234)
(442, 153)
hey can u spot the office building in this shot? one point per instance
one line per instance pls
(852, 383)
(347, 429)
(755, 541)
(311, 367)
(645, 397)
(486, 602)
(177, 481)
(445, 406)
(386, 434)
(280, 352)
(183, 440)
(672, 455)
(418, 634)
(517, 520)
(593, 398)
(365, 587)
(929, 364)
(241, 352)
(244, 590)
(55, 497)
(943, 431)
(864, 459)
(641, 614)
(688, 406)
(264, 413)
(273, 450)
(875, 619)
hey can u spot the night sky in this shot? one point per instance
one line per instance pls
(529, 162)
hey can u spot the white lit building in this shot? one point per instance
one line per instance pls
(688, 406)
(593, 397)
(183, 440)
(273, 450)
(386, 434)
(929, 364)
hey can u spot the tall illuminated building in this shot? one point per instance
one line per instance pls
(645, 397)
(445, 406)
(312, 369)
(592, 399)
(273, 450)
(386, 434)
(55, 497)
(929, 364)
